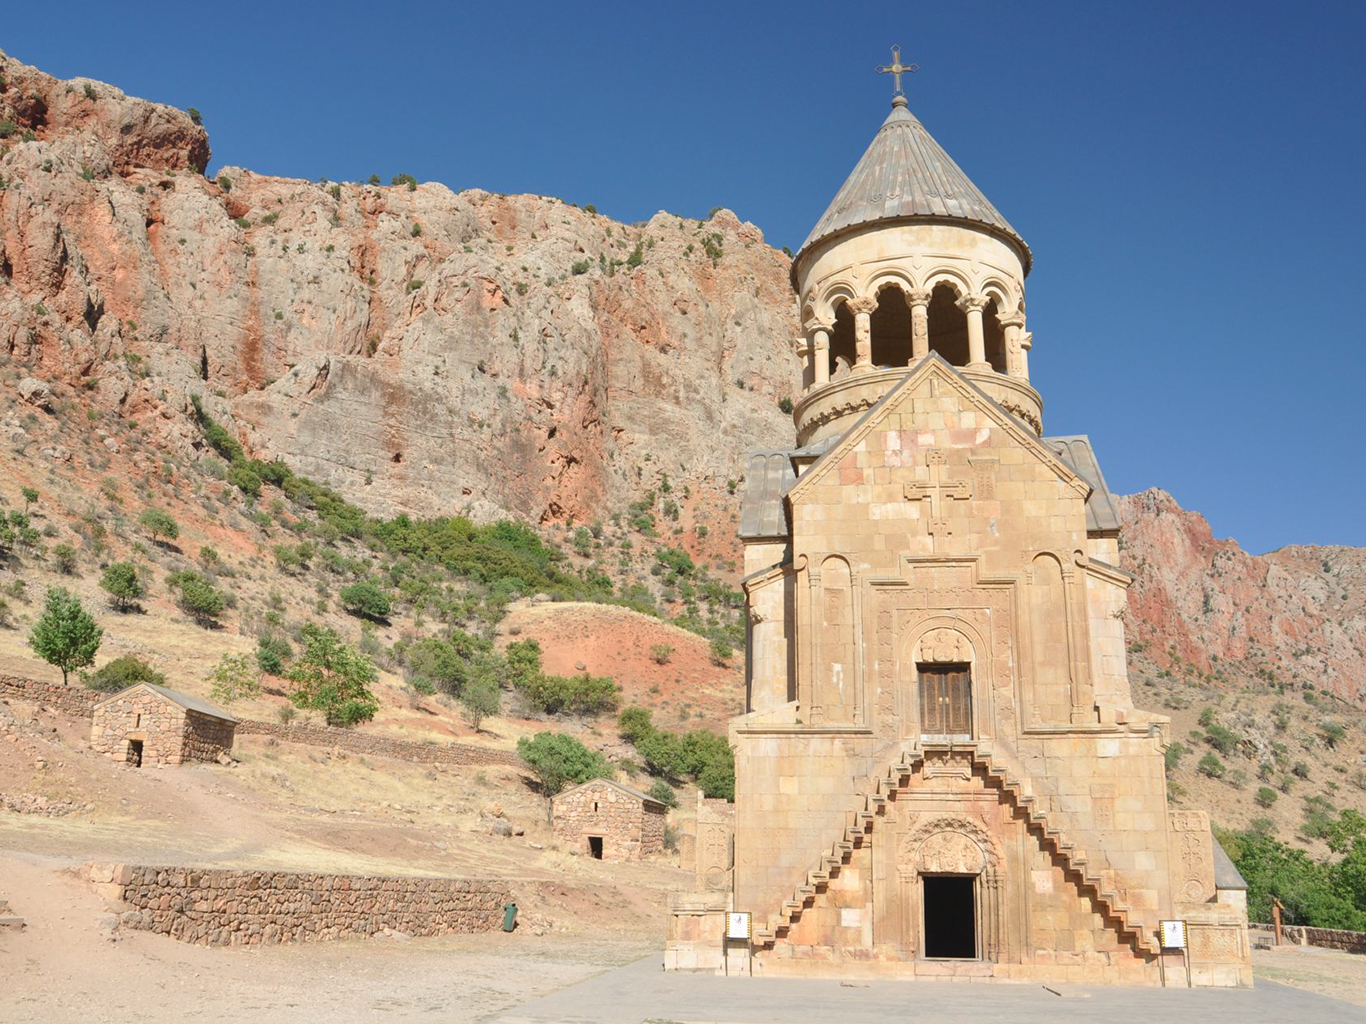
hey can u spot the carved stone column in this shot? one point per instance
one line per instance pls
(801, 345)
(973, 305)
(863, 333)
(920, 324)
(1012, 324)
(1026, 343)
(818, 331)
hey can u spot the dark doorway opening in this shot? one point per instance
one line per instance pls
(595, 847)
(135, 753)
(950, 917)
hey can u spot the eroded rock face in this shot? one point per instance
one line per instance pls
(1298, 613)
(422, 350)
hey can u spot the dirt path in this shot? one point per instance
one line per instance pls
(64, 967)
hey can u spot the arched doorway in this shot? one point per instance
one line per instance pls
(949, 869)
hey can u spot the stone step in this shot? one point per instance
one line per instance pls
(12, 922)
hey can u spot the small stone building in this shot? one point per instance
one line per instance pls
(609, 821)
(148, 724)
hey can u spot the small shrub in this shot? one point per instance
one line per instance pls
(660, 653)
(721, 652)
(122, 673)
(273, 653)
(64, 557)
(664, 793)
(785, 405)
(1265, 796)
(1211, 766)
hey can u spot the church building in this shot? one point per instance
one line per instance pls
(940, 771)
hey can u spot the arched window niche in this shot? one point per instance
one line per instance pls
(891, 328)
(842, 351)
(948, 325)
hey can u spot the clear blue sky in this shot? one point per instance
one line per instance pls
(1190, 176)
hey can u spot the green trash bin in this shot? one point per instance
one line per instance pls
(509, 916)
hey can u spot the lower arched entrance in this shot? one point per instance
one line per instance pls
(951, 891)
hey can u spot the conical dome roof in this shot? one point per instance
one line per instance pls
(906, 175)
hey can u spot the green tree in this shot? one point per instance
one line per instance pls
(365, 599)
(1265, 796)
(634, 725)
(234, 678)
(480, 697)
(332, 677)
(720, 652)
(30, 496)
(120, 581)
(159, 524)
(121, 673)
(558, 760)
(65, 635)
(197, 596)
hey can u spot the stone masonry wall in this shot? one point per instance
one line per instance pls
(629, 830)
(206, 737)
(158, 723)
(382, 746)
(70, 700)
(231, 907)
(79, 703)
(1327, 938)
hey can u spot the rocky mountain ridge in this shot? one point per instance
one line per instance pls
(421, 349)
(427, 351)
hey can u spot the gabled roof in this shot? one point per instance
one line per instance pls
(1102, 514)
(184, 700)
(936, 364)
(906, 175)
(763, 513)
(634, 793)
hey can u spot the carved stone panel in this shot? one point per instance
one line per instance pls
(1192, 857)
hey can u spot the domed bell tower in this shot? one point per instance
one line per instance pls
(909, 259)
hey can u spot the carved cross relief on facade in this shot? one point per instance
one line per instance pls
(937, 492)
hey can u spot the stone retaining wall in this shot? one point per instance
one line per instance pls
(382, 746)
(1327, 938)
(79, 702)
(233, 907)
(70, 700)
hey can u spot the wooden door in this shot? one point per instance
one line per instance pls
(945, 700)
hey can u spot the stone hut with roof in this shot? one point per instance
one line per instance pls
(941, 771)
(609, 821)
(147, 725)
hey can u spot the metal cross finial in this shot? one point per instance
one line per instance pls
(896, 69)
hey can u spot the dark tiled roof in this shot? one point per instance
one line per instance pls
(1102, 514)
(1226, 873)
(763, 513)
(906, 175)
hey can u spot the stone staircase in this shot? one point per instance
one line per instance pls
(7, 919)
(1096, 878)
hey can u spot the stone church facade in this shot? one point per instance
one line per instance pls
(941, 770)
